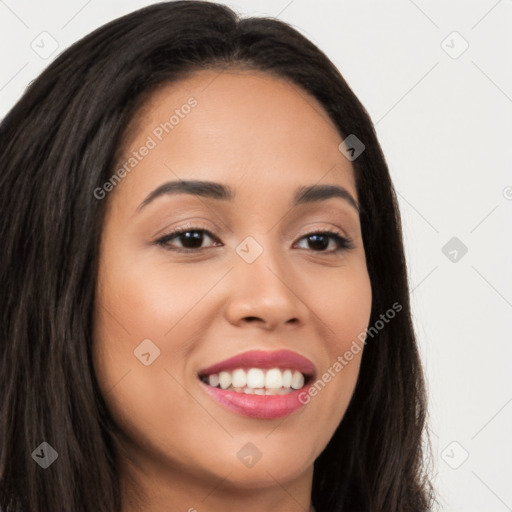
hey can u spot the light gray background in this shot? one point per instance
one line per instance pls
(444, 122)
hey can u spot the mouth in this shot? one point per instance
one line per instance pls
(258, 381)
(259, 384)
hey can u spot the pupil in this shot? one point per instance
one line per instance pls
(193, 241)
(316, 244)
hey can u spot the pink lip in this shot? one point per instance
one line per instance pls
(258, 406)
(283, 359)
(261, 406)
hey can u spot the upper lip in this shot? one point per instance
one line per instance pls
(284, 359)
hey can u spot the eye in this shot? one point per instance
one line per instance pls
(192, 238)
(320, 241)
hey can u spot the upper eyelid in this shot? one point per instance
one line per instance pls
(183, 229)
(196, 225)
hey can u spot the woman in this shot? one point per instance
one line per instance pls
(205, 300)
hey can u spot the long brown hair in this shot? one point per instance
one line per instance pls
(59, 144)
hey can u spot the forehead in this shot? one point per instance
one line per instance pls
(241, 127)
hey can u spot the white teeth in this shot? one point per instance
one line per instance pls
(287, 378)
(255, 378)
(239, 379)
(273, 381)
(224, 380)
(213, 379)
(297, 380)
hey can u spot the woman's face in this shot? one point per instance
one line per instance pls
(263, 278)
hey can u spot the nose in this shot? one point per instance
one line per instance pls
(266, 293)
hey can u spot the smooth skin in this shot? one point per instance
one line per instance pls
(263, 137)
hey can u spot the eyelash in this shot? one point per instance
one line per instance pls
(343, 242)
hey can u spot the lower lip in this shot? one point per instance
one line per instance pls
(258, 406)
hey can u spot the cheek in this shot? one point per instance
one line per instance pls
(343, 300)
(343, 305)
(148, 297)
(140, 300)
(137, 303)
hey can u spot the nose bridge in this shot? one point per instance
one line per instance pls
(263, 260)
(264, 285)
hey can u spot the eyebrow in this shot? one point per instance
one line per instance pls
(213, 190)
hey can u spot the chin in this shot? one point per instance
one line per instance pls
(263, 474)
